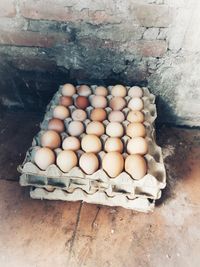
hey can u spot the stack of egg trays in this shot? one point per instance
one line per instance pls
(98, 188)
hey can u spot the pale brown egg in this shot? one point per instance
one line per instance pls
(113, 144)
(119, 90)
(114, 129)
(56, 125)
(99, 101)
(136, 104)
(91, 143)
(116, 116)
(44, 157)
(82, 102)
(137, 145)
(98, 114)
(66, 160)
(135, 91)
(135, 129)
(136, 166)
(66, 101)
(117, 103)
(50, 139)
(75, 128)
(101, 90)
(79, 115)
(113, 164)
(84, 90)
(68, 89)
(135, 116)
(71, 143)
(89, 163)
(96, 128)
(60, 112)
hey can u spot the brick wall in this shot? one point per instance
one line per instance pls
(44, 43)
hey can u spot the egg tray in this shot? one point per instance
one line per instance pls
(99, 187)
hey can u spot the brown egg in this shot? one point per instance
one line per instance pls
(116, 116)
(117, 103)
(99, 101)
(56, 125)
(137, 145)
(135, 91)
(136, 166)
(114, 129)
(66, 101)
(79, 115)
(119, 90)
(91, 143)
(44, 157)
(60, 112)
(113, 164)
(101, 90)
(113, 144)
(75, 128)
(135, 129)
(84, 90)
(68, 89)
(66, 160)
(136, 104)
(50, 139)
(71, 143)
(82, 102)
(89, 163)
(98, 114)
(135, 116)
(96, 128)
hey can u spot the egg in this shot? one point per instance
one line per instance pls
(71, 143)
(137, 145)
(117, 103)
(66, 101)
(135, 116)
(135, 129)
(66, 160)
(91, 143)
(135, 91)
(114, 129)
(75, 128)
(89, 163)
(44, 157)
(119, 90)
(101, 90)
(99, 101)
(136, 166)
(98, 114)
(56, 125)
(68, 89)
(96, 128)
(50, 139)
(60, 112)
(84, 90)
(113, 144)
(113, 164)
(82, 102)
(116, 116)
(79, 115)
(136, 104)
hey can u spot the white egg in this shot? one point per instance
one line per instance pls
(75, 128)
(99, 101)
(116, 116)
(68, 89)
(135, 91)
(71, 143)
(114, 129)
(136, 104)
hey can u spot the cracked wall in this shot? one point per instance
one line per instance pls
(155, 43)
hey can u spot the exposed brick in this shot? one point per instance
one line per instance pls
(48, 10)
(7, 8)
(153, 15)
(25, 38)
(155, 48)
(151, 34)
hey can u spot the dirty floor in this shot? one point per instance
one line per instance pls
(36, 233)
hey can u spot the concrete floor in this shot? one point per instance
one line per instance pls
(37, 233)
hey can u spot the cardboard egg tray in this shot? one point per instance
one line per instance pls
(99, 188)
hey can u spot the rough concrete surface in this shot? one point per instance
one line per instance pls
(54, 233)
